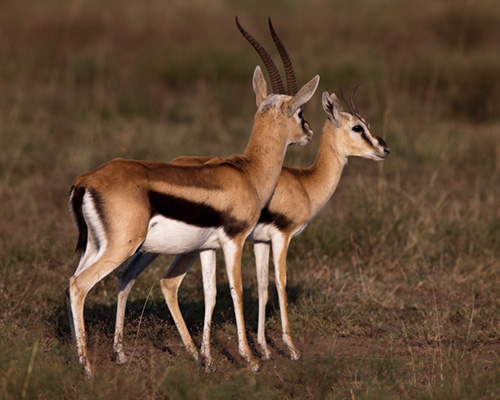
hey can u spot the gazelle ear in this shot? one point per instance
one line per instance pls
(332, 106)
(259, 85)
(303, 95)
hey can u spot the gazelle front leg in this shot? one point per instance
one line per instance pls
(261, 252)
(232, 256)
(280, 248)
(208, 266)
(126, 279)
(170, 286)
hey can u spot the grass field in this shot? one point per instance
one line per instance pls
(394, 290)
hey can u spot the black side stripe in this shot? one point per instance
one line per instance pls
(279, 220)
(193, 213)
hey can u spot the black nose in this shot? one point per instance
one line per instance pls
(387, 150)
(383, 143)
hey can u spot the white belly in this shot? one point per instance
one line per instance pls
(264, 232)
(168, 236)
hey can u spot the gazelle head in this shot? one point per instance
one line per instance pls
(279, 107)
(356, 137)
(284, 110)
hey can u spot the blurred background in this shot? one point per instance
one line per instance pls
(405, 255)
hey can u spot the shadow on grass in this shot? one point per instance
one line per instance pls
(153, 318)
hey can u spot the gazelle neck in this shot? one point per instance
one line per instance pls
(265, 153)
(325, 173)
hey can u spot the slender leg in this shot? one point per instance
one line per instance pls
(280, 248)
(170, 286)
(79, 286)
(232, 256)
(70, 315)
(126, 279)
(208, 266)
(261, 252)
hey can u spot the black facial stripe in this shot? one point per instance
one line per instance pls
(280, 221)
(365, 137)
(193, 213)
(382, 142)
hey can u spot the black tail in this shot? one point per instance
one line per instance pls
(76, 209)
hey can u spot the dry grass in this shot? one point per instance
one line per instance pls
(393, 291)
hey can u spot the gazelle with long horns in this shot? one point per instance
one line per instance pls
(299, 195)
(128, 208)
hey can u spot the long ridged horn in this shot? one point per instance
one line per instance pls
(272, 70)
(291, 80)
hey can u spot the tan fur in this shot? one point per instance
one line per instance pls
(299, 195)
(302, 192)
(239, 186)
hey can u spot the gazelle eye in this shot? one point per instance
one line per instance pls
(358, 128)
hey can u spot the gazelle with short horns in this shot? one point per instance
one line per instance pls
(299, 195)
(127, 208)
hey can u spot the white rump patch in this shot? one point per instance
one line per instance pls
(96, 239)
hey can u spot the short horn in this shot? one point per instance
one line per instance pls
(291, 80)
(346, 102)
(272, 70)
(352, 100)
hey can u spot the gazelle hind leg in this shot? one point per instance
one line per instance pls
(95, 242)
(126, 280)
(86, 260)
(261, 252)
(208, 266)
(170, 286)
(232, 256)
(79, 286)
(280, 248)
